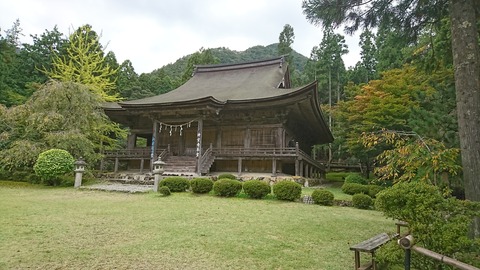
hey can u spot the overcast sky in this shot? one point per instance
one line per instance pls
(153, 33)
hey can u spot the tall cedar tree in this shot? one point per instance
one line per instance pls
(411, 17)
(285, 41)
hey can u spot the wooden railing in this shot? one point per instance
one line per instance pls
(309, 159)
(128, 153)
(269, 152)
(206, 160)
(287, 152)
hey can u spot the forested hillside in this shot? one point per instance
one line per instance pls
(227, 56)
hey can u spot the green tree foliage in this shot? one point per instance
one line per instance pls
(436, 221)
(413, 157)
(285, 41)
(410, 19)
(330, 67)
(202, 57)
(127, 80)
(53, 163)
(85, 63)
(405, 99)
(20, 64)
(10, 84)
(39, 55)
(59, 115)
(391, 48)
(366, 69)
(154, 83)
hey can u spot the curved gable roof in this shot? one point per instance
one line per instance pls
(222, 83)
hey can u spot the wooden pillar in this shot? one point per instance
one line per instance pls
(219, 138)
(298, 170)
(153, 149)
(116, 165)
(131, 140)
(297, 167)
(142, 163)
(301, 170)
(280, 139)
(274, 167)
(199, 145)
(239, 166)
(248, 138)
(307, 170)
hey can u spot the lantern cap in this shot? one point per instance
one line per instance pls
(80, 161)
(158, 161)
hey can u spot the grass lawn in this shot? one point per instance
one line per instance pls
(64, 228)
(334, 187)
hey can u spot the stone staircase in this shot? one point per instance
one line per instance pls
(180, 165)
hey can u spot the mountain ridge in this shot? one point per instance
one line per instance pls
(228, 56)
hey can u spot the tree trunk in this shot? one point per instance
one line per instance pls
(330, 112)
(467, 84)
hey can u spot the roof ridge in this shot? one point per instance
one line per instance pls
(233, 66)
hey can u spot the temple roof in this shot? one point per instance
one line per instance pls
(234, 87)
(227, 82)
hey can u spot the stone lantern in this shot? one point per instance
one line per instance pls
(79, 170)
(158, 169)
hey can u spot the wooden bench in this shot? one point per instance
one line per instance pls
(369, 245)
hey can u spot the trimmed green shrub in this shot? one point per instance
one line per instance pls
(53, 163)
(34, 179)
(356, 178)
(323, 197)
(256, 189)
(175, 183)
(227, 176)
(164, 190)
(227, 187)
(354, 188)
(201, 185)
(373, 190)
(362, 201)
(287, 190)
(21, 176)
(438, 221)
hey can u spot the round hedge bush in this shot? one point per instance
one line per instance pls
(256, 189)
(354, 188)
(201, 185)
(227, 187)
(287, 190)
(175, 183)
(227, 176)
(362, 201)
(356, 178)
(164, 190)
(53, 163)
(322, 197)
(373, 190)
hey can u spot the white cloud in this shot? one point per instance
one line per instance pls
(154, 33)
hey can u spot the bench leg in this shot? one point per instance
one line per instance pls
(357, 260)
(374, 264)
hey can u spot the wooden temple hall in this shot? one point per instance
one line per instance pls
(240, 118)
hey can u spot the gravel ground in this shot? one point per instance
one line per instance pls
(120, 187)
